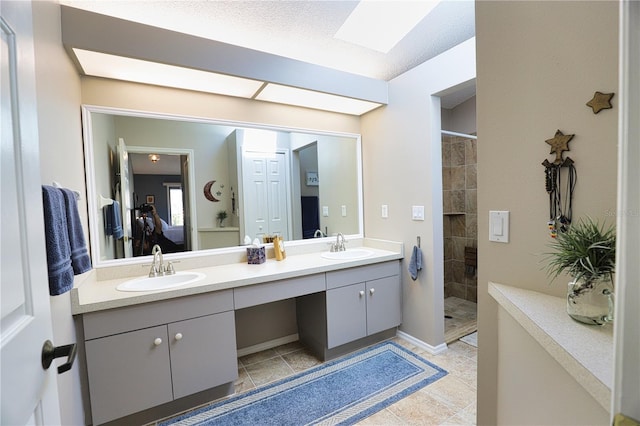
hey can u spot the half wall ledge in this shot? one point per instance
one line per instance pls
(585, 352)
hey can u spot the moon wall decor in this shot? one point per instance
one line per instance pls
(207, 191)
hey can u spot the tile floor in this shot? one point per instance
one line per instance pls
(463, 318)
(449, 401)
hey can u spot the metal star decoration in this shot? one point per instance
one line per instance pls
(600, 101)
(559, 143)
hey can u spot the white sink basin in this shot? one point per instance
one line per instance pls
(348, 254)
(163, 282)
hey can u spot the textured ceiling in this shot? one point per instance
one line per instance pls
(301, 30)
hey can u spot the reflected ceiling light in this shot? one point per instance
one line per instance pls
(380, 25)
(139, 71)
(154, 158)
(310, 99)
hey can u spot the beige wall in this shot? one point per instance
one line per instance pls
(538, 63)
(118, 94)
(402, 162)
(58, 92)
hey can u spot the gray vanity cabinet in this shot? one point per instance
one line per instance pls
(143, 356)
(359, 304)
(346, 314)
(363, 309)
(200, 353)
(128, 373)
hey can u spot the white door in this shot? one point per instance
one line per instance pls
(265, 194)
(125, 197)
(277, 189)
(29, 392)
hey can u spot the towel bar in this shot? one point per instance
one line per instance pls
(105, 201)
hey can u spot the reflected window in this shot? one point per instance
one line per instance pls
(176, 209)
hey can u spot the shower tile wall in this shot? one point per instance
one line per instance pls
(460, 215)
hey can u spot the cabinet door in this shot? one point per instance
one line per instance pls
(346, 314)
(383, 304)
(203, 353)
(128, 373)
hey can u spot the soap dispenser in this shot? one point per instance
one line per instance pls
(278, 248)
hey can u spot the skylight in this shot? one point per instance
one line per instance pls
(380, 25)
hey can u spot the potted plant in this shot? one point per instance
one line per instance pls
(587, 252)
(221, 216)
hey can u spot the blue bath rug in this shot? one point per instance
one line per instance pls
(342, 391)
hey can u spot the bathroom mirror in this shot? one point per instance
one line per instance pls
(213, 183)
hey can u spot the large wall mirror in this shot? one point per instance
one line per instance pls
(213, 183)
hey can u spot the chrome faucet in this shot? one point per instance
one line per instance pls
(339, 245)
(157, 268)
(315, 234)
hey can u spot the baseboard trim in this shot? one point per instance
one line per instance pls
(268, 345)
(433, 350)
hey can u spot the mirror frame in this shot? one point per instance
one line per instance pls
(93, 199)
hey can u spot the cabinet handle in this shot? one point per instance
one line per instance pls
(178, 336)
(158, 341)
(361, 293)
(372, 290)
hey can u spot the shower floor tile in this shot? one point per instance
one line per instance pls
(463, 319)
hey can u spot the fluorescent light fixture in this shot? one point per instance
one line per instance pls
(317, 100)
(380, 25)
(139, 71)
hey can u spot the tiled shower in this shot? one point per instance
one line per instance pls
(460, 219)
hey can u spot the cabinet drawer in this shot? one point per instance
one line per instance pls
(114, 321)
(361, 274)
(277, 290)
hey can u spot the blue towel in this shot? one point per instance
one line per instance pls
(116, 221)
(57, 241)
(415, 264)
(80, 260)
(107, 212)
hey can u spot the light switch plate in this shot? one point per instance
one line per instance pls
(325, 211)
(417, 212)
(385, 211)
(344, 211)
(499, 226)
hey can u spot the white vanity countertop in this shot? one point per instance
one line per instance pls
(92, 294)
(585, 351)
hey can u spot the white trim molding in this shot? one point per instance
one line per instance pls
(433, 350)
(626, 387)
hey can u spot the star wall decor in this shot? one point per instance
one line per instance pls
(600, 101)
(559, 143)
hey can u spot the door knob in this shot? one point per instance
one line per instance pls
(178, 336)
(157, 341)
(50, 352)
(371, 291)
(361, 293)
